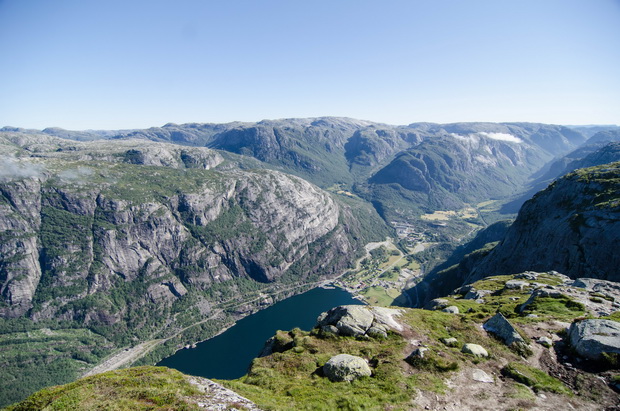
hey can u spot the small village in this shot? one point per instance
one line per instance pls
(381, 277)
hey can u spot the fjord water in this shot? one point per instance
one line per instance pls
(228, 355)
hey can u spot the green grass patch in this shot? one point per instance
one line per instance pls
(562, 308)
(537, 379)
(521, 392)
(377, 295)
(615, 316)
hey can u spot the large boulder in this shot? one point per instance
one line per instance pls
(345, 367)
(499, 326)
(353, 320)
(592, 338)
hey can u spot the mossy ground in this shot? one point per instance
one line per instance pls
(140, 388)
(293, 379)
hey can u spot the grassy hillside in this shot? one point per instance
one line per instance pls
(291, 377)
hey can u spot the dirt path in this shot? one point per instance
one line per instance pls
(124, 357)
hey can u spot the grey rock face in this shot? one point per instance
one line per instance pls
(345, 367)
(85, 230)
(609, 289)
(501, 327)
(572, 226)
(592, 338)
(20, 222)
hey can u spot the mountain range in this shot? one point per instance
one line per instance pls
(115, 238)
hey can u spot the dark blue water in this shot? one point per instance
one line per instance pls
(229, 355)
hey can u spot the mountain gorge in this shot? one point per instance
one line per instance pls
(166, 236)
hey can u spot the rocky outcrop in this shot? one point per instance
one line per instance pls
(359, 321)
(216, 397)
(593, 338)
(345, 367)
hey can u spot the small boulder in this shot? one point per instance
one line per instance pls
(450, 342)
(417, 353)
(481, 376)
(453, 309)
(474, 294)
(377, 331)
(345, 367)
(540, 292)
(516, 284)
(475, 349)
(545, 341)
(359, 321)
(329, 329)
(528, 275)
(592, 338)
(437, 304)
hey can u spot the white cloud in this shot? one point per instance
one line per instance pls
(11, 168)
(501, 136)
(75, 173)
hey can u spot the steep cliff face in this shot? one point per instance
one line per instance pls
(102, 230)
(573, 226)
(20, 222)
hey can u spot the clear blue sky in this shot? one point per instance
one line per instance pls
(90, 64)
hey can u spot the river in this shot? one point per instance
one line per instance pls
(228, 355)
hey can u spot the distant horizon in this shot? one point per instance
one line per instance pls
(299, 118)
(118, 65)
